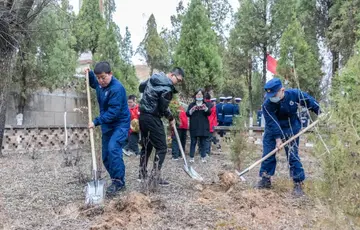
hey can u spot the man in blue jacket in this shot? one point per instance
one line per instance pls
(219, 114)
(281, 123)
(228, 112)
(114, 119)
(237, 106)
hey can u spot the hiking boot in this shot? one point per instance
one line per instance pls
(113, 189)
(264, 183)
(298, 191)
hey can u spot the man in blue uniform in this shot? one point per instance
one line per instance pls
(228, 112)
(219, 111)
(114, 119)
(281, 123)
(219, 114)
(237, 106)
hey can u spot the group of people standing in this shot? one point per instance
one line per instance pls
(204, 114)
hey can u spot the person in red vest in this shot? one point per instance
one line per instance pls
(212, 122)
(132, 146)
(182, 128)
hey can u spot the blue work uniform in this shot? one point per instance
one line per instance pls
(282, 121)
(219, 113)
(114, 119)
(258, 117)
(236, 109)
(228, 113)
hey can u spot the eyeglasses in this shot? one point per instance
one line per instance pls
(178, 79)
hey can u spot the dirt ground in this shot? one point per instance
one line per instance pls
(45, 190)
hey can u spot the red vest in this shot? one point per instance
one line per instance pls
(212, 118)
(184, 124)
(134, 114)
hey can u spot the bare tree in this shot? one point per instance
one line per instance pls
(15, 16)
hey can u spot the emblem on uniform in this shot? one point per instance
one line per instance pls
(291, 103)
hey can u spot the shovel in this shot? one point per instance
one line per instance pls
(188, 169)
(240, 174)
(95, 189)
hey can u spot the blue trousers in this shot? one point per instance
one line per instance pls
(112, 143)
(268, 166)
(174, 144)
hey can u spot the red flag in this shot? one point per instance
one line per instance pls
(271, 64)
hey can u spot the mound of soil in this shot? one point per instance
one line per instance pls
(126, 212)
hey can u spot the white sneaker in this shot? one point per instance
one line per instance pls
(191, 160)
(175, 159)
(127, 152)
(203, 159)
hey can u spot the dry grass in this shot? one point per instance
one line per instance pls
(42, 193)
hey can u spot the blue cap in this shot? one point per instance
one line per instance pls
(272, 87)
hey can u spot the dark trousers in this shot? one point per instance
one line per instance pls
(202, 146)
(174, 144)
(153, 136)
(112, 143)
(132, 144)
(209, 140)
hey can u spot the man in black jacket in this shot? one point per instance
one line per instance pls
(157, 92)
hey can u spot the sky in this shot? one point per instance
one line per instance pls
(135, 13)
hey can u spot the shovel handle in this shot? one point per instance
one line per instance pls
(92, 142)
(277, 149)
(179, 144)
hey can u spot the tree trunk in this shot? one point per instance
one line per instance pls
(250, 87)
(264, 66)
(22, 98)
(335, 62)
(5, 67)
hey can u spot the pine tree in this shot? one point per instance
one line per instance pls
(297, 62)
(153, 48)
(90, 24)
(197, 51)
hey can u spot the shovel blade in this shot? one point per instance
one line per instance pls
(95, 192)
(192, 173)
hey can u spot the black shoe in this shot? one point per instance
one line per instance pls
(298, 191)
(142, 177)
(113, 189)
(264, 183)
(163, 182)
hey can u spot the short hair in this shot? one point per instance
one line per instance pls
(207, 96)
(102, 67)
(178, 71)
(132, 97)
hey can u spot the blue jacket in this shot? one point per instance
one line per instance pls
(114, 111)
(283, 116)
(228, 112)
(219, 112)
(236, 109)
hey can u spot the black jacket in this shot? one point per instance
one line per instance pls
(199, 122)
(157, 92)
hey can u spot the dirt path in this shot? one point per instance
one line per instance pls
(40, 192)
